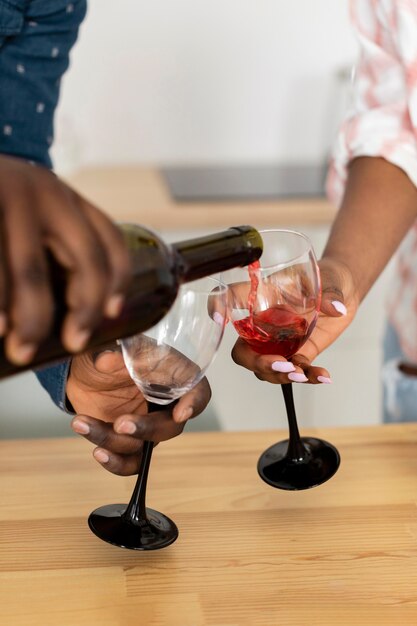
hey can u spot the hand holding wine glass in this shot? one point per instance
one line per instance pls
(113, 413)
(275, 313)
(165, 363)
(338, 308)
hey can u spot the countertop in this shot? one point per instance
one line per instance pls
(343, 553)
(139, 194)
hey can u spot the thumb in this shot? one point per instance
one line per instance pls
(333, 302)
(109, 362)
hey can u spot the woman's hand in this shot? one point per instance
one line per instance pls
(99, 385)
(338, 308)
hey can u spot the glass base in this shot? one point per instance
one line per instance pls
(320, 463)
(109, 524)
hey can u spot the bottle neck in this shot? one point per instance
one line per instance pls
(235, 247)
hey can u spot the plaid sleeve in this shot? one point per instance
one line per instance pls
(384, 99)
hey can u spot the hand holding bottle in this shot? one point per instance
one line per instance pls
(99, 385)
(40, 214)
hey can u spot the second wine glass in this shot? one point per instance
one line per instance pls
(274, 309)
(165, 362)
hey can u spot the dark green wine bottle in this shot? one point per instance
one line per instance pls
(158, 271)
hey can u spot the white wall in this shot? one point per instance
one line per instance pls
(205, 81)
(192, 80)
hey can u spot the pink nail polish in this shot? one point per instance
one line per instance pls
(297, 378)
(218, 318)
(325, 380)
(283, 366)
(339, 306)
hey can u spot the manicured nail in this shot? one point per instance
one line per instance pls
(339, 306)
(114, 305)
(298, 378)
(283, 366)
(101, 456)
(126, 428)
(186, 414)
(325, 380)
(218, 318)
(80, 427)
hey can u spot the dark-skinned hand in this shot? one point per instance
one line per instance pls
(100, 386)
(40, 214)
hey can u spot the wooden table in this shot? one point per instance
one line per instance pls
(343, 554)
(139, 194)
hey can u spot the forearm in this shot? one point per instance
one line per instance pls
(378, 209)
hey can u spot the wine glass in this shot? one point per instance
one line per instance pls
(274, 305)
(165, 362)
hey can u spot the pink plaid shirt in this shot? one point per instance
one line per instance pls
(383, 123)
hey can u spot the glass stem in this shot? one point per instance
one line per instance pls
(296, 450)
(136, 509)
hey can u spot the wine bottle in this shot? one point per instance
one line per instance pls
(158, 271)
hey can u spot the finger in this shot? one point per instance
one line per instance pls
(118, 258)
(102, 434)
(267, 367)
(30, 307)
(110, 361)
(3, 283)
(76, 246)
(333, 299)
(158, 426)
(316, 375)
(119, 464)
(332, 303)
(192, 403)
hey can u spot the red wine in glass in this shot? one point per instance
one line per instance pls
(277, 330)
(283, 303)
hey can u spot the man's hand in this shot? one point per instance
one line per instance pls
(338, 308)
(100, 385)
(39, 213)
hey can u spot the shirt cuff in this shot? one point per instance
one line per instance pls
(54, 381)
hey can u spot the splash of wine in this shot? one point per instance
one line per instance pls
(253, 271)
(276, 330)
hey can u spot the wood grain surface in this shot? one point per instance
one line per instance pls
(344, 553)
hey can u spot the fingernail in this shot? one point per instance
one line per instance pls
(126, 428)
(3, 324)
(339, 306)
(186, 414)
(218, 318)
(114, 305)
(325, 380)
(80, 427)
(298, 378)
(283, 366)
(78, 340)
(101, 456)
(21, 354)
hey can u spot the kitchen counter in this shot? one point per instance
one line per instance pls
(343, 553)
(139, 194)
